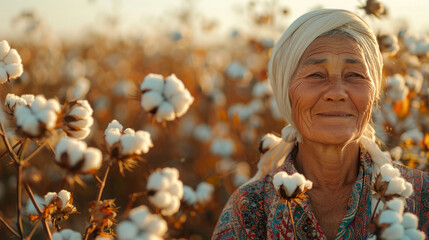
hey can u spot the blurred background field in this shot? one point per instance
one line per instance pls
(220, 51)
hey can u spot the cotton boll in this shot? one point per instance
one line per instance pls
(81, 112)
(300, 180)
(388, 172)
(204, 192)
(410, 221)
(76, 150)
(176, 189)
(269, 141)
(84, 123)
(47, 117)
(172, 86)
(29, 98)
(65, 196)
(171, 173)
(181, 102)
(161, 199)
(14, 70)
(81, 134)
(389, 217)
(151, 100)
(12, 57)
(202, 132)
(57, 236)
(38, 103)
(414, 234)
(126, 230)
(127, 144)
(61, 147)
(139, 216)
(30, 125)
(49, 197)
(278, 179)
(153, 82)
(290, 183)
(165, 112)
(129, 131)
(80, 89)
(189, 195)
(4, 49)
(157, 226)
(93, 160)
(142, 141)
(408, 190)
(394, 231)
(114, 124)
(21, 113)
(396, 186)
(3, 75)
(157, 181)
(172, 208)
(112, 136)
(396, 205)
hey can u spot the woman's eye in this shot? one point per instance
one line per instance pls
(316, 75)
(355, 75)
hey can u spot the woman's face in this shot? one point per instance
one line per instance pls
(331, 92)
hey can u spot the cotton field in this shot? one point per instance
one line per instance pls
(131, 137)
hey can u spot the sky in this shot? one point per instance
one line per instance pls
(67, 18)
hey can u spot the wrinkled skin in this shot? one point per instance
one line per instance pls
(331, 93)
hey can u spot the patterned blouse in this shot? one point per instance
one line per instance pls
(255, 211)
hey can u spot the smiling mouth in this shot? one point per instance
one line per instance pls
(335, 115)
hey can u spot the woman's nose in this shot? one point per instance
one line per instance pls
(336, 90)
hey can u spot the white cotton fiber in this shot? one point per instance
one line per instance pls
(151, 100)
(161, 199)
(126, 230)
(189, 195)
(172, 208)
(394, 231)
(172, 86)
(165, 112)
(396, 205)
(181, 102)
(112, 136)
(278, 179)
(65, 196)
(389, 217)
(157, 181)
(396, 186)
(49, 197)
(388, 172)
(176, 189)
(204, 192)
(14, 70)
(38, 103)
(408, 189)
(139, 216)
(12, 57)
(172, 174)
(410, 221)
(4, 49)
(93, 160)
(414, 234)
(153, 82)
(127, 144)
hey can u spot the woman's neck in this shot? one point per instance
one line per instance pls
(328, 167)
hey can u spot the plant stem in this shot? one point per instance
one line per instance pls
(18, 201)
(9, 227)
(291, 219)
(375, 210)
(40, 147)
(39, 211)
(14, 146)
(6, 142)
(33, 230)
(103, 184)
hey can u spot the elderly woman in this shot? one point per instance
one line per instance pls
(326, 73)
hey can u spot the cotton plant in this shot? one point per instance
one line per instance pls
(393, 223)
(262, 89)
(66, 234)
(57, 207)
(201, 195)
(39, 118)
(244, 112)
(291, 188)
(141, 224)
(74, 156)
(79, 90)
(167, 99)
(126, 146)
(269, 141)
(10, 63)
(389, 184)
(77, 119)
(237, 71)
(165, 190)
(13, 101)
(103, 219)
(223, 147)
(389, 44)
